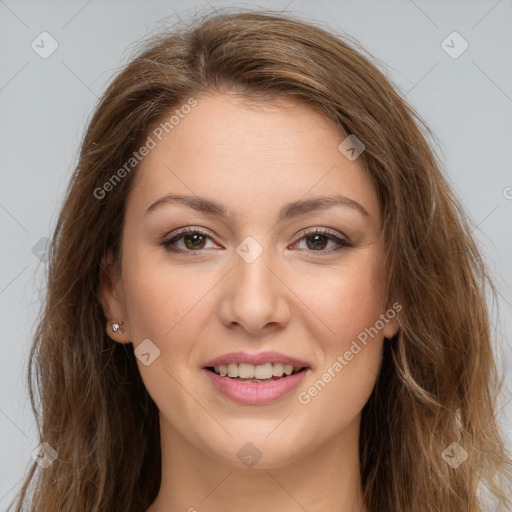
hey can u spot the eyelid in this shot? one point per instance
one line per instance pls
(301, 234)
(179, 233)
(339, 238)
(321, 231)
(190, 229)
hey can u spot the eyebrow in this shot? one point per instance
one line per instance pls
(289, 210)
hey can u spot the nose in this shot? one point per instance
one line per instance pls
(255, 296)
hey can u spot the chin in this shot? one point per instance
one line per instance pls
(259, 451)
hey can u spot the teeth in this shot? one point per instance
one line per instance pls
(233, 370)
(288, 369)
(245, 371)
(278, 369)
(261, 372)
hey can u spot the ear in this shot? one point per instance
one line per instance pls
(392, 325)
(110, 295)
(390, 329)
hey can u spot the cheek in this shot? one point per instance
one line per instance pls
(169, 306)
(350, 303)
(164, 305)
(335, 397)
(346, 299)
(162, 300)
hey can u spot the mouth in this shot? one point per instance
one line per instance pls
(255, 378)
(249, 384)
(257, 374)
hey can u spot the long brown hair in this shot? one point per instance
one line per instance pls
(438, 382)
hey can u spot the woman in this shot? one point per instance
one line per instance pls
(262, 293)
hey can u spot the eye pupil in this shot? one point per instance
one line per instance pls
(318, 238)
(197, 238)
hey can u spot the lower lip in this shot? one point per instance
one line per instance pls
(254, 393)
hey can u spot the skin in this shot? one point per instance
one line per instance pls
(293, 298)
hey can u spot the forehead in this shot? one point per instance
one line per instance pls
(253, 155)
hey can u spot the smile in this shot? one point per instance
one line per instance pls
(255, 390)
(255, 373)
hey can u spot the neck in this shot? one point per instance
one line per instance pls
(326, 479)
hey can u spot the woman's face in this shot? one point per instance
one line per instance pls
(255, 278)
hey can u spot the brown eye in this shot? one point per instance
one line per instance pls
(187, 240)
(317, 241)
(195, 241)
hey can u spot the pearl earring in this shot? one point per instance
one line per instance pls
(117, 327)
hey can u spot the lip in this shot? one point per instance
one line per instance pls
(256, 358)
(253, 393)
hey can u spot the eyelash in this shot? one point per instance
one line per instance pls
(342, 243)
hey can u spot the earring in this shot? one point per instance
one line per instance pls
(117, 327)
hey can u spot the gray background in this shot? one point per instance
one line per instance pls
(45, 105)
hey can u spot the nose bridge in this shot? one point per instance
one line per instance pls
(256, 296)
(252, 271)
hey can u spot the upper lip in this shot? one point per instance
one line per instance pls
(256, 359)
